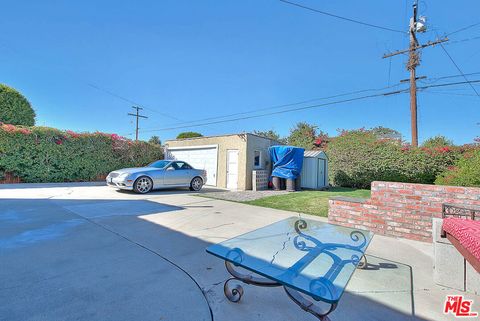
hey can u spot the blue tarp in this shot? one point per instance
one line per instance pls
(287, 161)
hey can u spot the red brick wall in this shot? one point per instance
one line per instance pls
(400, 209)
(10, 179)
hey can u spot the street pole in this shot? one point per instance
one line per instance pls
(136, 127)
(413, 62)
(137, 115)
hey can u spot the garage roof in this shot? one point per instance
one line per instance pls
(226, 135)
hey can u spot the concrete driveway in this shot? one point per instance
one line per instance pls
(88, 252)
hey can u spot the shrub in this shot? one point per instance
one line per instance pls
(358, 157)
(188, 135)
(14, 108)
(437, 141)
(42, 154)
(465, 172)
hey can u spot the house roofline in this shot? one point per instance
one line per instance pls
(226, 135)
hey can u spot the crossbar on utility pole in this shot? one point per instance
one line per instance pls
(137, 115)
(428, 44)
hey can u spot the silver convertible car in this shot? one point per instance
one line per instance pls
(159, 174)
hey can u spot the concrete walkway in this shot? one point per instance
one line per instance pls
(91, 253)
(242, 196)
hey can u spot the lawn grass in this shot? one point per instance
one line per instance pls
(309, 202)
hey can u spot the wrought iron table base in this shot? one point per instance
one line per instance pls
(235, 293)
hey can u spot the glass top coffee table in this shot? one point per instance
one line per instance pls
(310, 259)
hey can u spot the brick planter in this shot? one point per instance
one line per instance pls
(400, 209)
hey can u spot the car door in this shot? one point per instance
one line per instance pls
(185, 173)
(170, 174)
(157, 176)
(177, 173)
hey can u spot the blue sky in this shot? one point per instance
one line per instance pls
(189, 60)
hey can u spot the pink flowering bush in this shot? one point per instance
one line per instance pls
(72, 134)
(43, 154)
(9, 128)
(358, 157)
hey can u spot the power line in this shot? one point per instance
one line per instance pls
(462, 29)
(449, 93)
(459, 70)
(471, 82)
(310, 107)
(462, 89)
(130, 101)
(342, 18)
(435, 79)
(284, 105)
(463, 40)
(72, 75)
(282, 111)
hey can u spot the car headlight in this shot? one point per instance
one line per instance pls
(124, 175)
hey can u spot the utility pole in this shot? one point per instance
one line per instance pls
(412, 64)
(137, 115)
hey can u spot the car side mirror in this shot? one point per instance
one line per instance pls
(170, 169)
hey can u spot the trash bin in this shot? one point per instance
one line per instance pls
(298, 183)
(276, 183)
(290, 185)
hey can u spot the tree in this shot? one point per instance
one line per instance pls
(15, 108)
(303, 135)
(188, 135)
(271, 134)
(386, 133)
(155, 140)
(437, 141)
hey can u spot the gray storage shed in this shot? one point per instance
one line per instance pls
(314, 170)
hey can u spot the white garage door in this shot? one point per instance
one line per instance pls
(204, 157)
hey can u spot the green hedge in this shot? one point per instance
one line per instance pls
(42, 154)
(358, 157)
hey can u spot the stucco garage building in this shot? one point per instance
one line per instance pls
(229, 159)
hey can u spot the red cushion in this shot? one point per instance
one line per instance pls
(467, 232)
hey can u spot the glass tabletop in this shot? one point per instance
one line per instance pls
(310, 256)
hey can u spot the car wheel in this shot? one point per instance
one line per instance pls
(196, 184)
(143, 185)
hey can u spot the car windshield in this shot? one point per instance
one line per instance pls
(159, 164)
